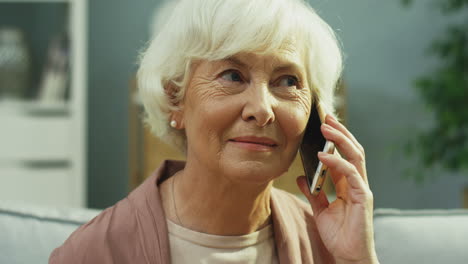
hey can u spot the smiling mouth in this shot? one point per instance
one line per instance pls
(255, 141)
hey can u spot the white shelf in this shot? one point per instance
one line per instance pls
(29, 181)
(43, 144)
(32, 139)
(33, 107)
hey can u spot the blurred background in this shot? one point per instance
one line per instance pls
(71, 133)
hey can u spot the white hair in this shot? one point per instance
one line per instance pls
(188, 30)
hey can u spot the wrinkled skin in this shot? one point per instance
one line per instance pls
(225, 186)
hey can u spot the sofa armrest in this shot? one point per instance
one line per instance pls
(28, 234)
(421, 236)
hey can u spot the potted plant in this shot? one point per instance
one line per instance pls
(445, 92)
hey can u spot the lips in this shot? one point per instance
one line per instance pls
(264, 141)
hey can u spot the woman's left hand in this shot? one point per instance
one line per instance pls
(345, 225)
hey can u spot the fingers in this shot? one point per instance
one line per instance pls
(358, 189)
(333, 122)
(318, 202)
(339, 181)
(346, 143)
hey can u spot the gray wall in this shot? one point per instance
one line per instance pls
(384, 44)
(117, 30)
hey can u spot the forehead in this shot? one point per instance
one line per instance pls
(288, 55)
(277, 60)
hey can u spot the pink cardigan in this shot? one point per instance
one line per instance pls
(134, 230)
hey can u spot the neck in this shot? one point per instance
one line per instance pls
(207, 202)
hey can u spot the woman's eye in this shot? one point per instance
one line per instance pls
(289, 81)
(232, 76)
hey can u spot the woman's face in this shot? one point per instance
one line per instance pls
(244, 115)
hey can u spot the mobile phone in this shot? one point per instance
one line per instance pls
(313, 141)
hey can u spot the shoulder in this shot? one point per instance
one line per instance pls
(132, 231)
(292, 203)
(294, 215)
(100, 239)
(296, 230)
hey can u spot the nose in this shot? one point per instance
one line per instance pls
(259, 104)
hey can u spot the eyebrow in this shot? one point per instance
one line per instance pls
(235, 61)
(282, 67)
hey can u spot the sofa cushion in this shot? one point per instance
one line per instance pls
(421, 236)
(28, 234)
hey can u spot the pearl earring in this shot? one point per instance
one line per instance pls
(173, 123)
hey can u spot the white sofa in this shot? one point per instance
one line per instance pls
(28, 234)
(421, 236)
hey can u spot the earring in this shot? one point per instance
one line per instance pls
(173, 123)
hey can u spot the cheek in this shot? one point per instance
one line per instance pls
(209, 117)
(292, 118)
(293, 122)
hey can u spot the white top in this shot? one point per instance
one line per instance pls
(188, 246)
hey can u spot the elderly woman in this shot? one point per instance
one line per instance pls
(232, 84)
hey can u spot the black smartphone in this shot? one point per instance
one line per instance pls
(313, 141)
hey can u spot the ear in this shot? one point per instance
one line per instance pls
(178, 116)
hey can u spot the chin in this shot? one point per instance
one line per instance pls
(253, 172)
